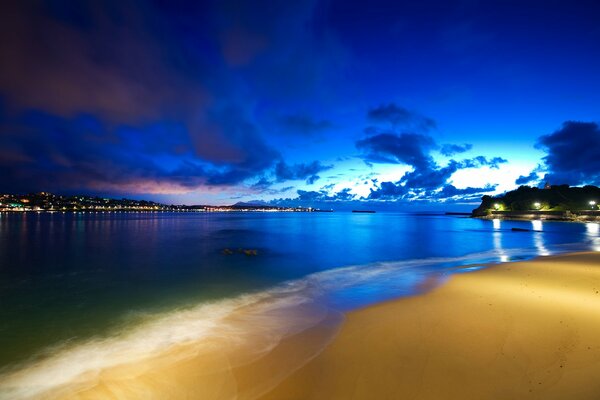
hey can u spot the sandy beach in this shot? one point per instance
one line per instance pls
(511, 331)
(517, 330)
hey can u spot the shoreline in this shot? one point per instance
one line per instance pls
(465, 339)
(558, 216)
(528, 329)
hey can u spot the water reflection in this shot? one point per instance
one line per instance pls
(497, 235)
(538, 238)
(593, 232)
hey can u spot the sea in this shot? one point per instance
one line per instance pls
(82, 292)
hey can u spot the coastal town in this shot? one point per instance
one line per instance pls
(48, 202)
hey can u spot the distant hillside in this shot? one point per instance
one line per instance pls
(554, 198)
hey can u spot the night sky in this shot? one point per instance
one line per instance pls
(397, 104)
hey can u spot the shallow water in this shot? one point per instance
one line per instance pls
(77, 290)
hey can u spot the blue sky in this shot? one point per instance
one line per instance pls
(324, 103)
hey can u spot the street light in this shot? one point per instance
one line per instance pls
(593, 204)
(537, 205)
(497, 206)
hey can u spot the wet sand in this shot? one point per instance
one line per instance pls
(527, 330)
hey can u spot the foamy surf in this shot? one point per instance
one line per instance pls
(244, 328)
(199, 351)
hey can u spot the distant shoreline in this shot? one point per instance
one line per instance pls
(187, 210)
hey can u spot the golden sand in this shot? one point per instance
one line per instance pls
(527, 330)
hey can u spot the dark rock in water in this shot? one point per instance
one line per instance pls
(520, 230)
(248, 252)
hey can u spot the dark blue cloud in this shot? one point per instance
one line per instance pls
(400, 117)
(308, 171)
(303, 125)
(573, 154)
(388, 190)
(481, 161)
(451, 191)
(449, 150)
(526, 179)
(402, 192)
(262, 184)
(406, 148)
(421, 182)
(42, 151)
(318, 199)
(414, 150)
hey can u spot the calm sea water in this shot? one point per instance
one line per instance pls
(66, 278)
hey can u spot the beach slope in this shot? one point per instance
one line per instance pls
(513, 331)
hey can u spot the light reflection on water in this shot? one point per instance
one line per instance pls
(593, 232)
(496, 223)
(497, 234)
(539, 237)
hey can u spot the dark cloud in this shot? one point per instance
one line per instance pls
(388, 190)
(399, 192)
(262, 183)
(93, 62)
(308, 171)
(451, 191)
(400, 117)
(237, 147)
(481, 161)
(421, 182)
(573, 154)
(328, 186)
(312, 179)
(319, 199)
(172, 88)
(137, 61)
(414, 149)
(46, 152)
(406, 148)
(525, 179)
(284, 189)
(426, 177)
(303, 125)
(449, 150)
